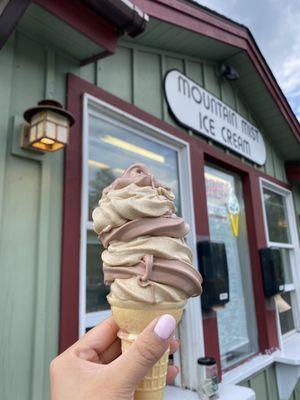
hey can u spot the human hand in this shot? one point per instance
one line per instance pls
(94, 369)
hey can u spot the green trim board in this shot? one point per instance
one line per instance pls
(6, 75)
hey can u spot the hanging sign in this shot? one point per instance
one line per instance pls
(198, 109)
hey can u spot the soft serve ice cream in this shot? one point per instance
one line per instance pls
(146, 259)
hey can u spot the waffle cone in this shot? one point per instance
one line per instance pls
(132, 321)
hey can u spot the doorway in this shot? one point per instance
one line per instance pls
(237, 330)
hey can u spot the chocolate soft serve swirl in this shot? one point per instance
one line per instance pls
(146, 258)
(168, 225)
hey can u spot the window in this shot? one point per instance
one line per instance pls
(227, 223)
(280, 227)
(112, 141)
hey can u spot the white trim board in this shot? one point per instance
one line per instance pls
(226, 392)
(290, 355)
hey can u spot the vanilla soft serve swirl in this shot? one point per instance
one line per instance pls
(130, 203)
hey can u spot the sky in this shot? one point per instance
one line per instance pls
(275, 25)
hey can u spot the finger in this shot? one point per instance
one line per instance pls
(91, 346)
(173, 370)
(111, 353)
(174, 346)
(89, 354)
(147, 349)
(114, 351)
(100, 337)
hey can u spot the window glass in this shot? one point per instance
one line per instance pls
(275, 206)
(286, 262)
(286, 317)
(96, 291)
(276, 215)
(111, 150)
(236, 321)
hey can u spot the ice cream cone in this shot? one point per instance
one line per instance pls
(132, 321)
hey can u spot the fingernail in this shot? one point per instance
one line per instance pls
(165, 326)
(178, 369)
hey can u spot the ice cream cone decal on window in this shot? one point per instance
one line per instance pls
(234, 212)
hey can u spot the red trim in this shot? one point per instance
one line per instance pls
(84, 20)
(211, 338)
(199, 151)
(69, 303)
(10, 17)
(96, 57)
(210, 324)
(293, 172)
(198, 179)
(266, 318)
(204, 22)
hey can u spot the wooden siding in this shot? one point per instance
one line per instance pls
(30, 215)
(129, 83)
(265, 387)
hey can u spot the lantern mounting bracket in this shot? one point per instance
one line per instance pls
(25, 144)
(16, 148)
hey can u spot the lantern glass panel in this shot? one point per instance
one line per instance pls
(40, 130)
(57, 118)
(32, 136)
(62, 134)
(39, 117)
(50, 130)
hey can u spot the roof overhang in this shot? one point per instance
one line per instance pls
(10, 13)
(97, 28)
(221, 39)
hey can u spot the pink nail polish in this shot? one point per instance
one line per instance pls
(165, 326)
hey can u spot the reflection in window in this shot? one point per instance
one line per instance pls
(96, 291)
(112, 149)
(275, 206)
(226, 215)
(286, 262)
(276, 214)
(286, 318)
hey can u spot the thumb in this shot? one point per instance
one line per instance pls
(147, 349)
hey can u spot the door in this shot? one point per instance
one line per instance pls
(237, 329)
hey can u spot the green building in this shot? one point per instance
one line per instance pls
(186, 91)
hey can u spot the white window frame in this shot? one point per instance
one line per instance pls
(191, 329)
(295, 253)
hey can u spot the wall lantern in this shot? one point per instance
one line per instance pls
(47, 128)
(228, 72)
